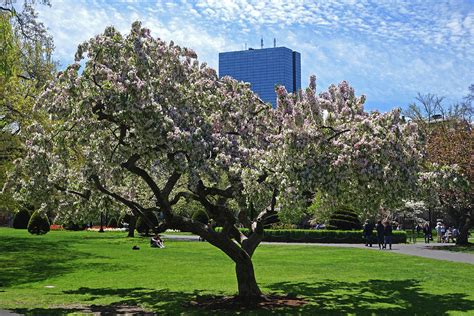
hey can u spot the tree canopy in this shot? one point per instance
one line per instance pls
(147, 125)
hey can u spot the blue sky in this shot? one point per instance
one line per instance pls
(387, 49)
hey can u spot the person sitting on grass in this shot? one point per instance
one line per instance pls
(157, 242)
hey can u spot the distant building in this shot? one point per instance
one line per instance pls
(263, 69)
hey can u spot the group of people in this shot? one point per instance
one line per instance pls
(384, 234)
(444, 235)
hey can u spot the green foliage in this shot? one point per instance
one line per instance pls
(187, 208)
(25, 67)
(142, 226)
(21, 219)
(344, 220)
(113, 222)
(38, 224)
(201, 216)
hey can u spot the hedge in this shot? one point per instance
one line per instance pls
(322, 236)
(21, 219)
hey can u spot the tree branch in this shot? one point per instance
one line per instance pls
(86, 195)
(183, 194)
(337, 134)
(228, 193)
(169, 186)
(136, 208)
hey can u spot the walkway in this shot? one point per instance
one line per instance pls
(419, 249)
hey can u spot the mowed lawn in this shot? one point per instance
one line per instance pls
(63, 271)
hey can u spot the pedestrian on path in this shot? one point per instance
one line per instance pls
(427, 233)
(368, 231)
(387, 235)
(439, 231)
(379, 227)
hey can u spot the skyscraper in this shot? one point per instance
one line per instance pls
(263, 69)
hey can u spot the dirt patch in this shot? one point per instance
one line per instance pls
(113, 309)
(117, 310)
(268, 302)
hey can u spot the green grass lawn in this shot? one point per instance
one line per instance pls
(89, 268)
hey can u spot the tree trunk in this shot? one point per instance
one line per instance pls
(101, 230)
(248, 288)
(131, 226)
(463, 238)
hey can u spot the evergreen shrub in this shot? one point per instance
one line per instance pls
(142, 226)
(21, 219)
(200, 215)
(38, 224)
(344, 220)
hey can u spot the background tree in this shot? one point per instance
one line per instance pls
(451, 143)
(25, 67)
(426, 108)
(144, 111)
(449, 155)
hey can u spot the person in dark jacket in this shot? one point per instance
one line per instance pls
(387, 235)
(368, 231)
(380, 229)
(427, 232)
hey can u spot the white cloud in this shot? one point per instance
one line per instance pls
(389, 50)
(71, 23)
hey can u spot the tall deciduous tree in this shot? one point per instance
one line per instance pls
(25, 67)
(451, 143)
(449, 156)
(144, 111)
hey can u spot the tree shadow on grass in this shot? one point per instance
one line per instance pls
(26, 260)
(129, 300)
(380, 297)
(373, 297)
(455, 248)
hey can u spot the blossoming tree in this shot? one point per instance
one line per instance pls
(145, 114)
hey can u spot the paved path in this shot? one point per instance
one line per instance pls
(4, 312)
(419, 249)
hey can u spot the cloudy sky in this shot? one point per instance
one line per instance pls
(387, 49)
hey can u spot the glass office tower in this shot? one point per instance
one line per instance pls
(263, 69)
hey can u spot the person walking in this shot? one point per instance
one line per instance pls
(418, 229)
(439, 231)
(379, 227)
(368, 231)
(387, 235)
(427, 233)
